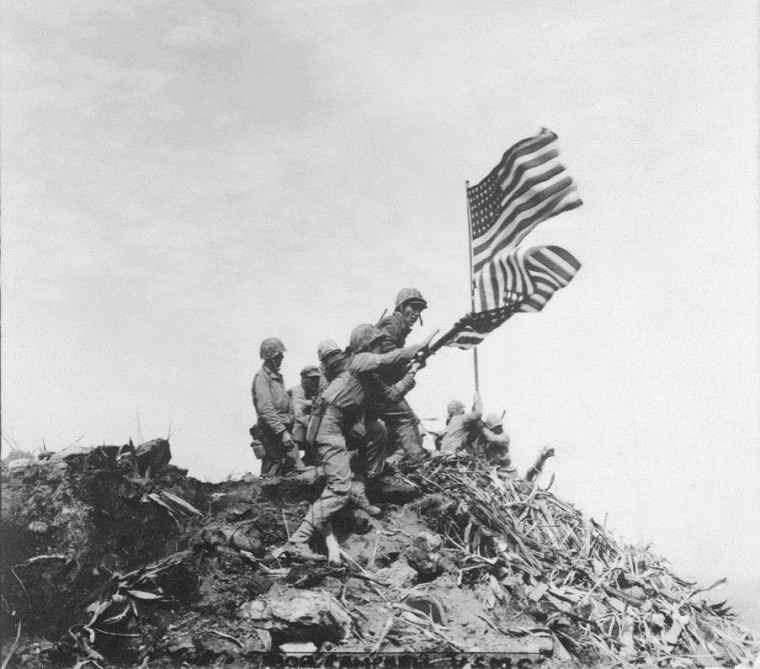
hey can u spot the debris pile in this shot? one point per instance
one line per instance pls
(111, 557)
(598, 597)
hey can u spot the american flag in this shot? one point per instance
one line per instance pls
(550, 268)
(528, 278)
(528, 186)
(478, 324)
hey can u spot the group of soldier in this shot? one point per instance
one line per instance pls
(350, 415)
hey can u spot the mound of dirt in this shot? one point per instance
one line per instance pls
(106, 563)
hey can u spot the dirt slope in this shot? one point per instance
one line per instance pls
(102, 566)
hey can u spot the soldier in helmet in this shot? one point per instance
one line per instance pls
(462, 428)
(342, 410)
(328, 351)
(275, 418)
(399, 418)
(493, 442)
(302, 399)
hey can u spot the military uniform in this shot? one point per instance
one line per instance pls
(461, 432)
(345, 401)
(494, 448)
(273, 409)
(301, 406)
(399, 418)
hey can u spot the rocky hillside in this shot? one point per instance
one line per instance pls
(112, 558)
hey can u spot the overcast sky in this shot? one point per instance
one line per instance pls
(184, 179)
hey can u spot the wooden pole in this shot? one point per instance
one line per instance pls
(472, 283)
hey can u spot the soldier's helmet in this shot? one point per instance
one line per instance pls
(410, 296)
(310, 370)
(454, 407)
(493, 420)
(327, 347)
(270, 348)
(364, 336)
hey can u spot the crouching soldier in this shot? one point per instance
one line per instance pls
(275, 419)
(341, 411)
(493, 442)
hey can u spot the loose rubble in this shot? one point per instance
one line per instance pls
(111, 557)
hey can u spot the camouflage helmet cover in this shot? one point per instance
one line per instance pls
(270, 347)
(364, 336)
(310, 370)
(410, 295)
(326, 347)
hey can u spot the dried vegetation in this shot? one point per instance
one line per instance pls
(105, 564)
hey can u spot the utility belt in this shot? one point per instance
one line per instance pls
(356, 433)
(266, 442)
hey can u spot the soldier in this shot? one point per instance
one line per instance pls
(333, 363)
(462, 428)
(493, 442)
(273, 409)
(341, 411)
(302, 399)
(325, 352)
(402, 423)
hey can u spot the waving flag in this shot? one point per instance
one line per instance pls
(528, 186)
(550, 268)
(526, 280)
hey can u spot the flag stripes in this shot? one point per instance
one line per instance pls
(528, 186)
(533, 275)
(466, 339)
(503, 281)
(550, 268)
(478, 324)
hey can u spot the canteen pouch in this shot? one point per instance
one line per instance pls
(256, 445)
(315, 420)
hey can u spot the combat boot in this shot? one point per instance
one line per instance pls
(391, 489)
(298, 545)
(359, 497)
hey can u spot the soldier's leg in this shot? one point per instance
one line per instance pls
(334, 458)
(373, 449)
(403, 432)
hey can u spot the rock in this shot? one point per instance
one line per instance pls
(152, 457)
(299, 615)
(38, 527)
(180, 643)
(298, 648)
(228, 535)
(424, 555)
(398, 576)
(217, 645)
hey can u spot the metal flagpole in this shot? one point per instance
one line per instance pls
(472, 282)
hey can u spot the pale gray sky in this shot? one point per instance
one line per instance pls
(183, 179)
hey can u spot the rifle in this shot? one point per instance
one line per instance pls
(444, 339)
(461, 324)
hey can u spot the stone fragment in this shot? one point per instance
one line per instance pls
(424, 555)
(299, 615)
